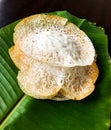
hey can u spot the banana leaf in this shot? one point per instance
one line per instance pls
(21, 112)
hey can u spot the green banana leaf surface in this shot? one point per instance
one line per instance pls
(21, 112)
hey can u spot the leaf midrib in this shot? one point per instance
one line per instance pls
(6, 119)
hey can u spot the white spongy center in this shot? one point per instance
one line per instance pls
(59, 47)
(44, 79)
